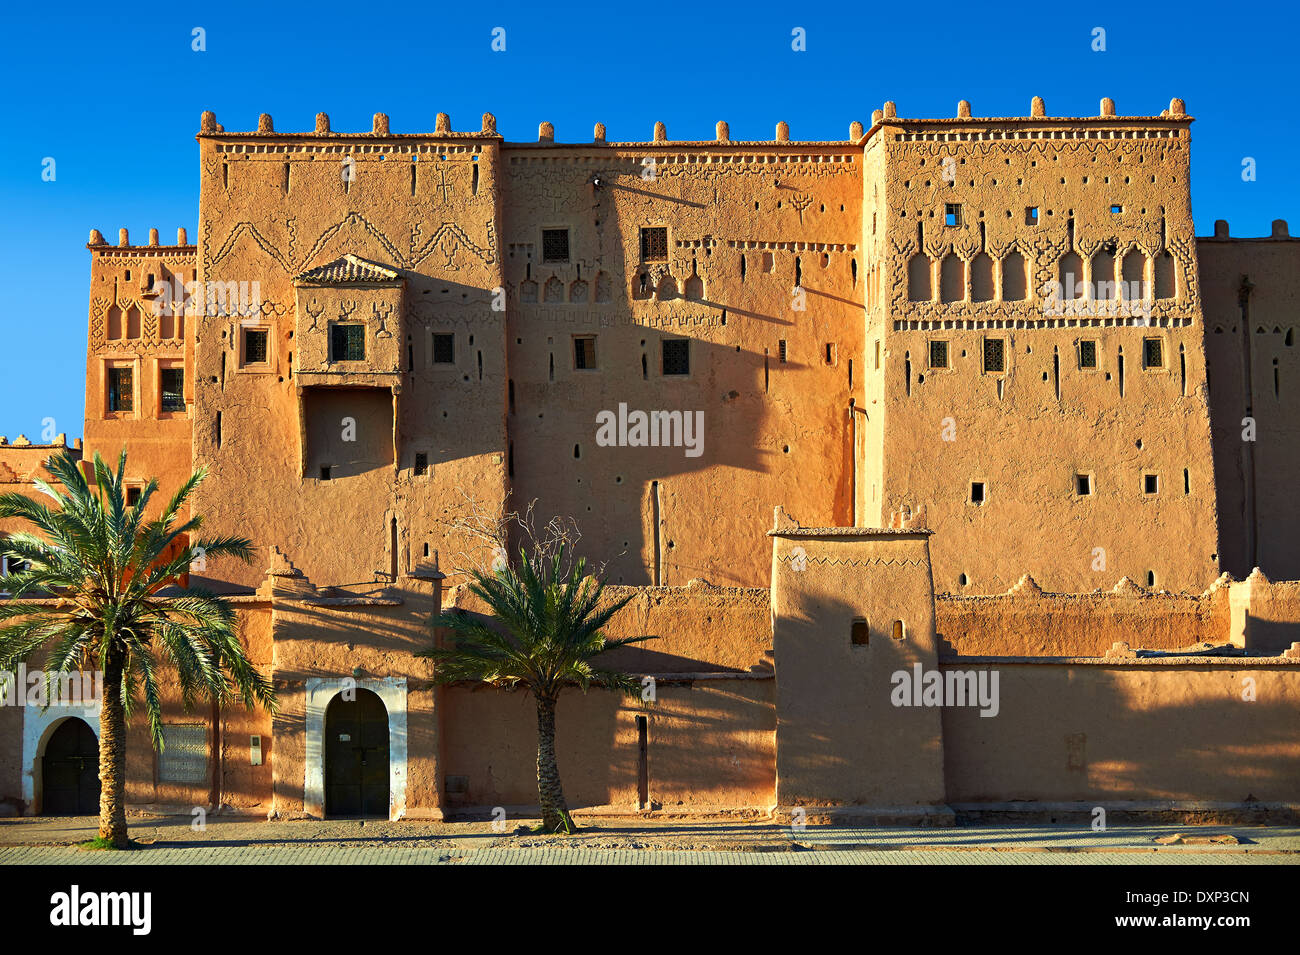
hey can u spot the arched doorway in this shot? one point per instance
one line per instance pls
(356, 756)
(70, 771)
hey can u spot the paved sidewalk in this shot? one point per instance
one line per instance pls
(171, 840)
(560, 855)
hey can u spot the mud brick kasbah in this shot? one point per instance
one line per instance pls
(974, 398)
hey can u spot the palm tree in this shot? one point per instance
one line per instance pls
(549, 631)
(118, 608)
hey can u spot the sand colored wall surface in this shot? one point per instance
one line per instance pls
(1031, 623)
(1250, 287)
(839, 739)
(1110, 203)
(1132, 731)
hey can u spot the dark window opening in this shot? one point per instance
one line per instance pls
(1031, 215)
(1083, 484)
(677, 356)
(977, 492)
(938, 354)
(1153, 353)
(654, 244)
(994, 354)
(584, 352)
(324, 472)
(444, 349)
(348, 342)
(859, 634)
(132, 496)
(780, 350)
(255, 346)
(952, 213)
(555, 245)
(121, 396)
(1150, 483)
(172, 381)
(421, 465)
(1087, 354)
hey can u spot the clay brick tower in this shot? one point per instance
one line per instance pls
(1035, 348)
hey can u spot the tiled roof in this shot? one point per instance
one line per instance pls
(349, 270)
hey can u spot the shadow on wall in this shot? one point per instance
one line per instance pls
(1102, 734)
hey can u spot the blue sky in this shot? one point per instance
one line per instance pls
(114, 93)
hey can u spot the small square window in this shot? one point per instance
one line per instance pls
(555, 245)
(421, 464)
(859, 634)
(1116, 208)
(1153, 355)
(132, 496)
(995, 358)
(347, 343)
(952, 213)
(898, 630)
(121, 394)
(977, 492)
(1031, 215)
(172, 383)
(677, 356)
(1150, 484)
(324, 472)
(444, 349)
(1087, 353)
(654, 244)
(938, 354)
(584, 352)
(255, 347)
(1083, 484)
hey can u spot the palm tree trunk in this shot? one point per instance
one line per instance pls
(112, 756)
(555, 812)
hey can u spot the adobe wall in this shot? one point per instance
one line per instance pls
(22, 463)
(1250, 287)
(1141, 730)
(760, 275)
(1026, 431)
(1028, 622)
(1265, 615)
(841, 741)
(710, 746)
(424, 210)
